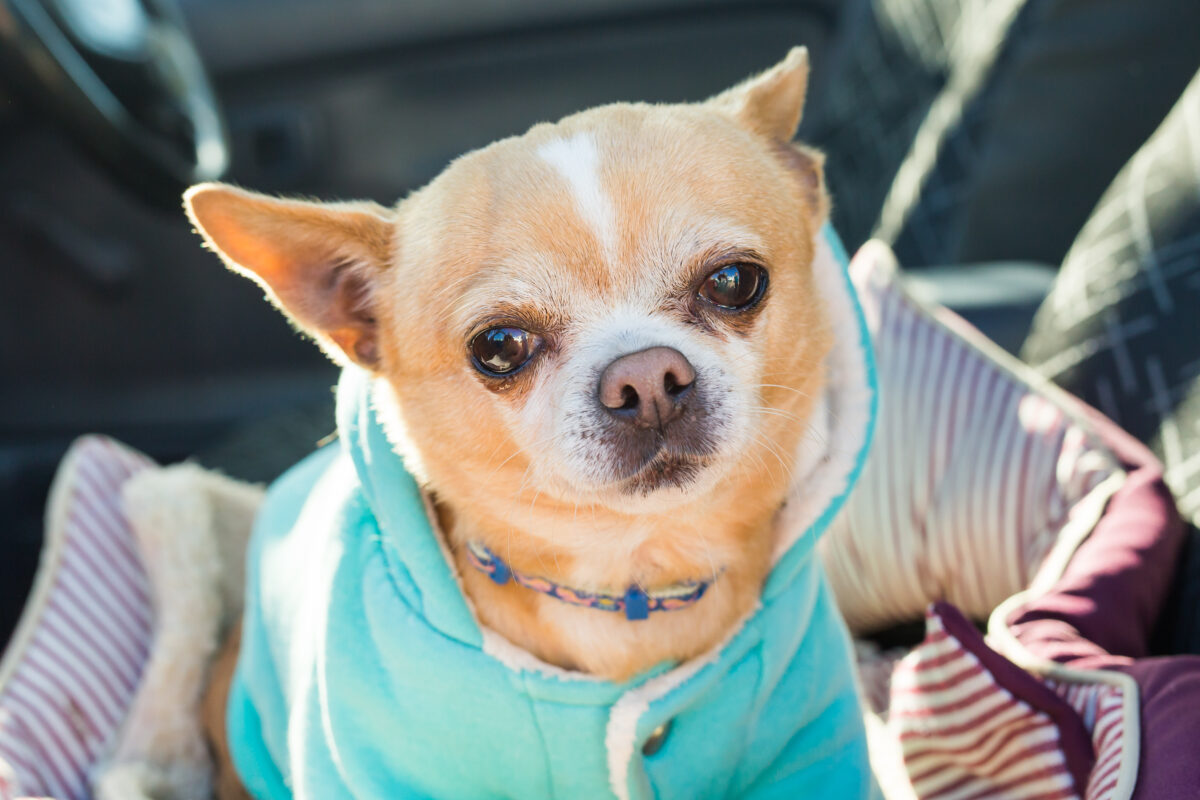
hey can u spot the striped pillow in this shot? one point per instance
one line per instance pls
(70, 670)
(976, 474)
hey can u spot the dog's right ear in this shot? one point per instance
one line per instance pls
(771, 105)
(319, 262)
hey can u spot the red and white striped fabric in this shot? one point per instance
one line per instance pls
(1102, 708)
(974, 474)
(71, 668)
(972, 725)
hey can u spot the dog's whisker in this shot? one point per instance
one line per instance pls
(832, 412)
(809, 433)
(778, 413)
(773, 449)
(537, 445)
(712, 564)
(781, 386)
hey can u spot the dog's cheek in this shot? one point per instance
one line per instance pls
(559, 420)
(537, 425)
(731, 371)
(580, 453)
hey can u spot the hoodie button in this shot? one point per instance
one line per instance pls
(656, 740)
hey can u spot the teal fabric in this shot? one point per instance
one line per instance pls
(363, 673)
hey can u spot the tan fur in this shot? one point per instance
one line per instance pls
(500, 235)
(226, 784)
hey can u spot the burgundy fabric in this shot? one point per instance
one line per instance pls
(1101, 613)
(1169, 689)
(1074, 738)
(1104, 607)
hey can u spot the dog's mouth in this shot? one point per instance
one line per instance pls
(665, 471)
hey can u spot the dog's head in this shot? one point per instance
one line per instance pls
(616, 310)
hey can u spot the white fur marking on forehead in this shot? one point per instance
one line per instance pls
(577, 160)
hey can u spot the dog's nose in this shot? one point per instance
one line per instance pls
(647, 388)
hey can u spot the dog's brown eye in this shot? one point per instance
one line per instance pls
(735, 286)
(501, 351)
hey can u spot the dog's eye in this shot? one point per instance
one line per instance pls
(734, 286)
(501, 351)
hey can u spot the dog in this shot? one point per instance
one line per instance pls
(599, 353)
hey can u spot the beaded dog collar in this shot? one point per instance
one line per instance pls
(636, 603)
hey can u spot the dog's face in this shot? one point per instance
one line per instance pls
(614, 311)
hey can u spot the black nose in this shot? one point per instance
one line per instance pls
(648, 388)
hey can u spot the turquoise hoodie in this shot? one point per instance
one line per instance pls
(364, 673)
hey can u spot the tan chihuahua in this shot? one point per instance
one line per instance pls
(603, 345)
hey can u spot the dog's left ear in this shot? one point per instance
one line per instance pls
(771, 105)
